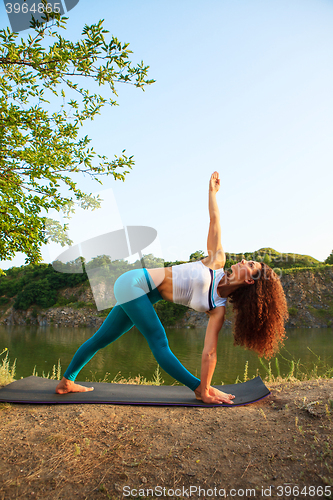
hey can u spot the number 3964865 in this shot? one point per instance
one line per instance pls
(39, 8)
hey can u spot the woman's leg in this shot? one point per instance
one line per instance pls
(144, 317)
(115, 325)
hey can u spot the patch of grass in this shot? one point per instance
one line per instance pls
(7, 372)
(246, 372)
(297, 370)
(314, 269)
(63, 301)
(91, 305)
(56, 372)
(79, 304)
(118, 379)
(292, 311)
(321, 313)
(5, 407)
(137, 380)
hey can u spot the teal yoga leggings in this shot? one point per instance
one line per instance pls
(135, 298)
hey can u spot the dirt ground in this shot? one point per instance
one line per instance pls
(276, 448)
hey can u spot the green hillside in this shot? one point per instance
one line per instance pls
(276, 259)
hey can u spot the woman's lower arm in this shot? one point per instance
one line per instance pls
(208, 363)
(214, 212)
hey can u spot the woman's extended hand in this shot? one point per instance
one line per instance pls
(214, 183)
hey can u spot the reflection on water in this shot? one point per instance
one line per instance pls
(41, 347)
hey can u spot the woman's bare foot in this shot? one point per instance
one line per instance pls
(219, 396)
(223, 395)
(65, 386)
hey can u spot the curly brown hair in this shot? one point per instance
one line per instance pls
(261, 311)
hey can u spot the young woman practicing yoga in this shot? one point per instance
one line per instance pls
(252, 287)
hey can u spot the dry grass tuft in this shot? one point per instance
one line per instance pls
(7, 372)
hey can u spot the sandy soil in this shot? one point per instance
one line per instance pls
(105, 451)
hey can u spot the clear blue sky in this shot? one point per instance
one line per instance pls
(243, 87)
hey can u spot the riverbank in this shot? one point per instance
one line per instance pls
(95, 451)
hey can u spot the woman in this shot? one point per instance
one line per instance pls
(253, 288)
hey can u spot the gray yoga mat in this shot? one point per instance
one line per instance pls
(37, 390)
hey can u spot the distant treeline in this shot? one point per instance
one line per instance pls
(39, 284)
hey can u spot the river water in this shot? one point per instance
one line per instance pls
(41, 347)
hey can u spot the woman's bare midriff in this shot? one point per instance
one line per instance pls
(162, 278)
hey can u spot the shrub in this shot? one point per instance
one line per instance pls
(79, 304)
(62, 301)
(36, 292)
(292, 311)
(168, 312)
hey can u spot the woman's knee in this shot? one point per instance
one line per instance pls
(158, 343)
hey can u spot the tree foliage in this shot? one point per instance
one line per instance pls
(329, 259)
(198, 255)
(41, 152)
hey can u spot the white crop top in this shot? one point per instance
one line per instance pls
(195, 286)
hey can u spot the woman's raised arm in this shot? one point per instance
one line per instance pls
(214, 246)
